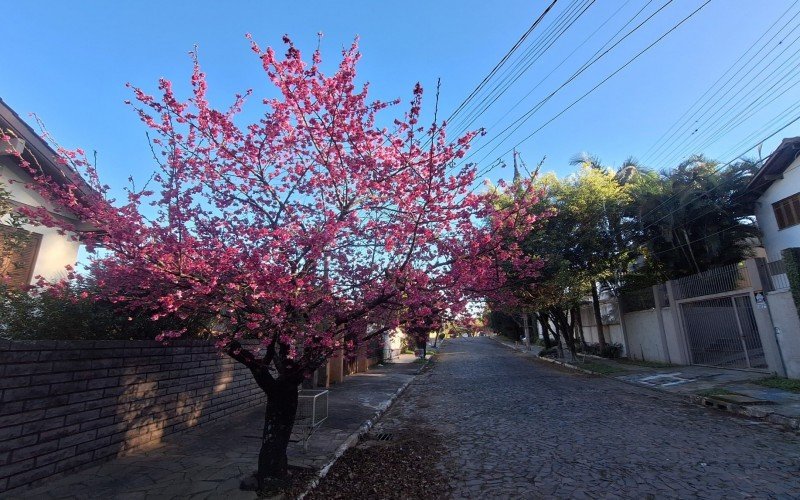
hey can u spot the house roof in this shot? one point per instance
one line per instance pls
(38, 148)
(773, 168)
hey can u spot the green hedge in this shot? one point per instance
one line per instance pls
(73, 315)
(791, 258)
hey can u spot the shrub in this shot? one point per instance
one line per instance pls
(505, 325)
(550, 352)
(72, 313)
(612, 350)
(791, 257)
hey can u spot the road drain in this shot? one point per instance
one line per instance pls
(380, 436)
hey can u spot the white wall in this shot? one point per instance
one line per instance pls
(787, 329)
(776, 240)
(55, 251)
(644, 336)
(612, 333)
(392, 344)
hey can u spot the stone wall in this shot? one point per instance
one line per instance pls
(65, 404)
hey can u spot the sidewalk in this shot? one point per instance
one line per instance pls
(724, 389)
(211, 460)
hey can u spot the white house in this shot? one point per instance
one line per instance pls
(775, 190)
(45, 252)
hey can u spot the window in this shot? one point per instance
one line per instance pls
(787, 211)
(18, 252)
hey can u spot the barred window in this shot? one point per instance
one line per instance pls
(787, 211)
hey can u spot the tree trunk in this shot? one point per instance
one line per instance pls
(278, 422)
(691, 251)
(579, 323)
(575, 315)
(544, 319)
(545, 334)
(598, 318)
(565, 329)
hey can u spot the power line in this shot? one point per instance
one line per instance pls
(531, 57)
(659, 142)
(586, 65)
(618, 70)
(725, 91)
(668, 200)
(505, 58)
(565, 59)
(717, 170)
(726, 107)
(769, 96)
(789, 111)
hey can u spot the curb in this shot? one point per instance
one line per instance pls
(570, 366)
(354, 438)
(549, 360)
(787, 423)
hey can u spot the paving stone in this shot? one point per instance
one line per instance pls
(549, 432)
(210, 460)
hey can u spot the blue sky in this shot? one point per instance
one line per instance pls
(69, 61)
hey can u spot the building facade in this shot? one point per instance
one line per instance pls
(775, 191)
(44, 251)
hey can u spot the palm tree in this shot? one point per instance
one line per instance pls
(696, 218)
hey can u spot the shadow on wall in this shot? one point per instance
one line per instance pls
(66, 404)
(157, 404)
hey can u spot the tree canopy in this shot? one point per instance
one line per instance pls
(309, 230)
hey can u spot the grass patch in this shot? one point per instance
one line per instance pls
(785, 384)
(715, 391)
(601, 368)
(650, 364)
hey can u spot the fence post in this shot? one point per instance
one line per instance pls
(766, 329)
(336, 364)
(753, 274)
(658, 297)
(680, 331)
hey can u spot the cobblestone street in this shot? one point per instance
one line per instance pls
(514, 427)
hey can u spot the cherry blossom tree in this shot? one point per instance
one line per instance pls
(305, 232)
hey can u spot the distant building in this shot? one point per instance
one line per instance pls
(775, 191)
(45, 252)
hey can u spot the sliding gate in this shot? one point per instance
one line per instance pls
(717, 312)
(723, 332)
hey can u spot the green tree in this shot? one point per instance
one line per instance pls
(694, 218)
(593, 227)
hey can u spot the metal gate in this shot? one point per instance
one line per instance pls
(722, 332)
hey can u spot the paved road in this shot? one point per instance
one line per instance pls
(520, 428)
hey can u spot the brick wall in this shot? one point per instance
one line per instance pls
(64, 404)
